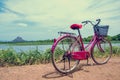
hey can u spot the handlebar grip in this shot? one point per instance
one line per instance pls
(84, 22)
(98, 20)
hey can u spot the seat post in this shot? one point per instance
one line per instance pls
(79, 32)
(81, 41)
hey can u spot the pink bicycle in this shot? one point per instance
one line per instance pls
(68, 49)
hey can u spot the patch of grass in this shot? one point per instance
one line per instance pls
(116, 51)
(10, 57)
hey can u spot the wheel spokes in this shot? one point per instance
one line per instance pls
(62, 55)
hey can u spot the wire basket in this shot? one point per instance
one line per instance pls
(101, 30)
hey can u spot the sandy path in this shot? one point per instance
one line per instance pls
(109, 71)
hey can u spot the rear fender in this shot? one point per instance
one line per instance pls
(57, 40)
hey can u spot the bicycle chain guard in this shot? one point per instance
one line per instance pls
(80, 55)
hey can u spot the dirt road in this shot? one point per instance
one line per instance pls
(109, 71)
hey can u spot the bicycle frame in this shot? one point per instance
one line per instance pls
(90, 45)
(77, 55)
(95, 39)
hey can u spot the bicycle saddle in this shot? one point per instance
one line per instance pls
(76, 26)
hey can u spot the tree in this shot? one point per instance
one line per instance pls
(116, 37)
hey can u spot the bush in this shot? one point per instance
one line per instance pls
(10, 57)
(116, 50)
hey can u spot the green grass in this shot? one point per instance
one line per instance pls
(10, 57)
(116, 51)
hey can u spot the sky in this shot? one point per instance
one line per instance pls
(43, 19)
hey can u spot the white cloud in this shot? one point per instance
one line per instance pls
(22, 25)
(58, 15)
(52, 13)
(8, 17)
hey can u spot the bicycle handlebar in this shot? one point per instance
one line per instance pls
(87, 21)
(99, 20)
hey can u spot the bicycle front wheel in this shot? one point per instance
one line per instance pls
(61, 56)
(102, 52)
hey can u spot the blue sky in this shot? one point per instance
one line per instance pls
(42, 19)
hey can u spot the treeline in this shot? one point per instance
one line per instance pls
(115, 38)
(38, 42)
(111, 38)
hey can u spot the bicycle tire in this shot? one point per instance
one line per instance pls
(102, 51)
(64, 45)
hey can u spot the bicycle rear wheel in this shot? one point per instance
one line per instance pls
(61, 56)
(102, 52)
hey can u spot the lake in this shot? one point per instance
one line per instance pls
(20, 48)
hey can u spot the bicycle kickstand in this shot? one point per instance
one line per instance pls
(87, 61)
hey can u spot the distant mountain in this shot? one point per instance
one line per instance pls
(18, 39)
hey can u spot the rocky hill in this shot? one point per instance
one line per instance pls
(18, 39)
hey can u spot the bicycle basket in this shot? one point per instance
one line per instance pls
(101, 30)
